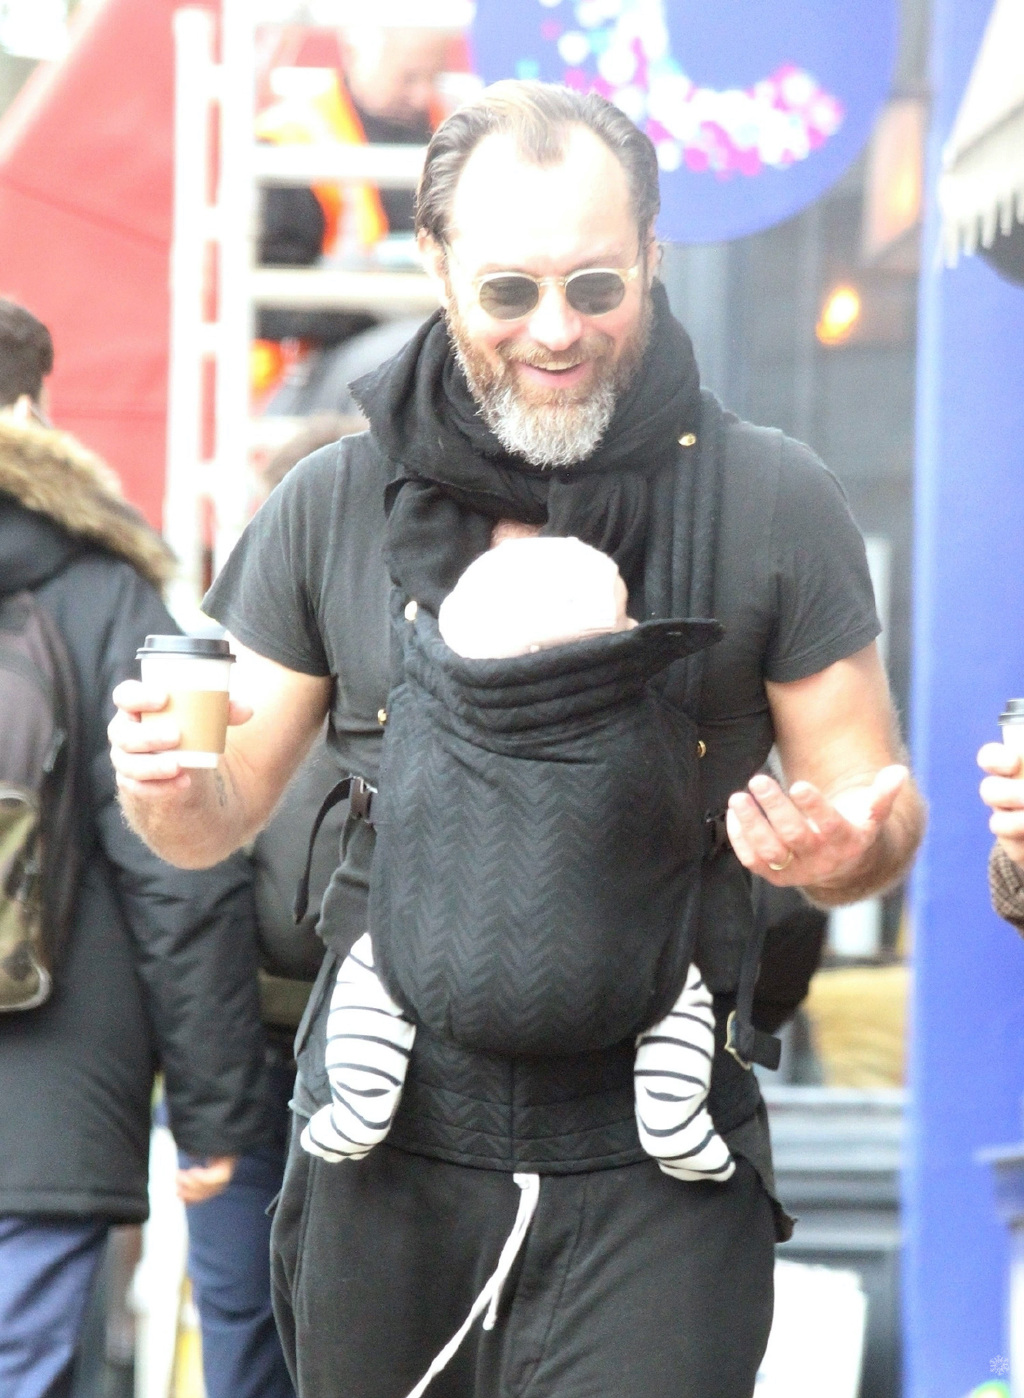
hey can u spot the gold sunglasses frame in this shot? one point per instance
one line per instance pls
(628, 274)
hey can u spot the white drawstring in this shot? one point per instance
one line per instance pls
(490, 1296)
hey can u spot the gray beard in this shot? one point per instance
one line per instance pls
(545, 434)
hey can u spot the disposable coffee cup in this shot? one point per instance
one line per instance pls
(1011, 722)
(194, 671)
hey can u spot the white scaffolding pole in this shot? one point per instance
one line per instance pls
(193, 91)
(237, 212)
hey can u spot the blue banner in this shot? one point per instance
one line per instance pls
(755, 107)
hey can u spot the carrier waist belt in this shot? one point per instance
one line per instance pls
(549, 1115)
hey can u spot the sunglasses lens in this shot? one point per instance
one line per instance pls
(595, 293)
(509, 297)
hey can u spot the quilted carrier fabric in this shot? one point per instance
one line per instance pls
(535, 883)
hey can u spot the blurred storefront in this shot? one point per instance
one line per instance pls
(967, 1040)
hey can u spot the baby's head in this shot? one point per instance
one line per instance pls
(527, 594)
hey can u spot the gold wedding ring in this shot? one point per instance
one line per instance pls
(778, 868)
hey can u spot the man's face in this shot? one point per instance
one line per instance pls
(547, 383)
(393, 72)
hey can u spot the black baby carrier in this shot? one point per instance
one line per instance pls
(536, 878)
(540, 823)
(539, 838)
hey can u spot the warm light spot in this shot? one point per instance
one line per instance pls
(905, 197)
(839, 315)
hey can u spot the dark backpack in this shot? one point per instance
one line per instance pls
(39, 852)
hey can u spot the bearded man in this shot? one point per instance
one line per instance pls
(554, 393)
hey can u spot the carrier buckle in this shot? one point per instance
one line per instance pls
(360, 798)
(749, 1045)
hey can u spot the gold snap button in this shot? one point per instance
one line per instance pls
(702, 747)
(411, 609)
(688, 439)
(382, 717)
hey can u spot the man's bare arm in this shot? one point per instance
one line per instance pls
(195, 818)
(852, 819)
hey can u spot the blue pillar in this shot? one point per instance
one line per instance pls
(967, 1044)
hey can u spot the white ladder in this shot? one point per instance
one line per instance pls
(216, 286)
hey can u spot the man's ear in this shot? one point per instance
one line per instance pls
(435, 264)
(651, 252)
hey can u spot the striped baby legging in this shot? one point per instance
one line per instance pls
(369, 1041)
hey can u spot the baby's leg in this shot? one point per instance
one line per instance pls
(672, 1075)
(368, 1046)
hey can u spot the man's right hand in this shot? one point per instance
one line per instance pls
(196, 817)
(143, 754)
(1003, 791)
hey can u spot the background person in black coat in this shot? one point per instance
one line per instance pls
(229, 1228)
(159, 971)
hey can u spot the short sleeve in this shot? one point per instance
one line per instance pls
(826, 604)
(268, 591)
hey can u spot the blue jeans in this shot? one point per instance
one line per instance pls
(229, 1264)
(47, 1267)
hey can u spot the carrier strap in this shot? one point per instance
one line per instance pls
(360, 795)
(747, 1044)
(698, 501)
(697, 508)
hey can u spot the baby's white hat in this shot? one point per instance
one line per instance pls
(530, 593)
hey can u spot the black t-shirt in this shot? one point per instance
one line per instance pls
(307, 586)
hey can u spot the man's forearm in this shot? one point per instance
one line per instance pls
(884, 862)
(195, 828)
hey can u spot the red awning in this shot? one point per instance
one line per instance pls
(85, 221)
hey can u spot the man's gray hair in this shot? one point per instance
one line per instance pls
(540, 116)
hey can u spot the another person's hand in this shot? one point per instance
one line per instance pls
(1003, 791)
(801, 837)
(143, 754)
(199, 1182)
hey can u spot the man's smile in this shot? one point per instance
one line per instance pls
(561, 376)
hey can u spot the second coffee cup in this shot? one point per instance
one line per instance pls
(194, 671)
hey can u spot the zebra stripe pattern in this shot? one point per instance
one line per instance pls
(672, 1075)
(368, 1046)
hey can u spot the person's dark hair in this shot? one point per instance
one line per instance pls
(540, 116)
(26, 353)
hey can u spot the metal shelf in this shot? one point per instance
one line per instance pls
(328, 288)
(389, 167)
(213, 263)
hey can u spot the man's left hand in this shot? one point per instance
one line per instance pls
(802, 837)
(197, 1183)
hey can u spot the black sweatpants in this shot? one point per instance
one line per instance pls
(629, 1285)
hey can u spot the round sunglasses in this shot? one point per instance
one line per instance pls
(592, 291)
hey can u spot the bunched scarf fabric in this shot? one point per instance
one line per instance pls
(452, 479)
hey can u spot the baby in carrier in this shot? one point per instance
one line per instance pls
(525, 595)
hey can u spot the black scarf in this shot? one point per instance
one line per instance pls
(453, 479)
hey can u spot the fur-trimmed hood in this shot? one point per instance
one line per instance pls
(52, 475)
